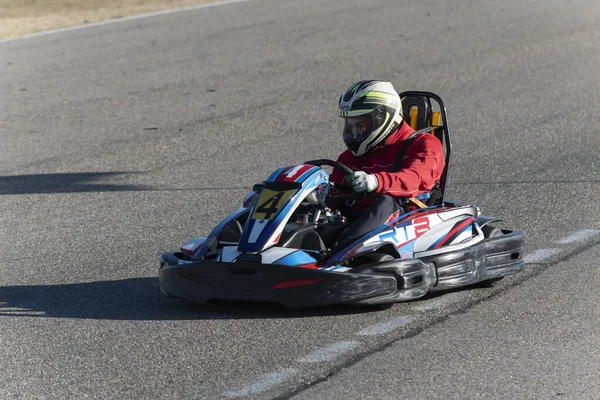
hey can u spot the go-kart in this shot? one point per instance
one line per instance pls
(277, 246)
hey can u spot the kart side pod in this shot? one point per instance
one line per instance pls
(415, 278)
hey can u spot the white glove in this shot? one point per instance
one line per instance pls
(362, 182)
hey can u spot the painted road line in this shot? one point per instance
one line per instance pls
(386, 326)
(22, 313)
(129, 18)
(542, 255)
(263, 384)
(330, 352)
(579, 236)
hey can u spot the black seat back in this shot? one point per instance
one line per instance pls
(426, 109)
(417, 111)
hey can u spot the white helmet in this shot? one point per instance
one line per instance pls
(371, 111)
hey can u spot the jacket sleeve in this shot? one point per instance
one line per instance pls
(421, 169)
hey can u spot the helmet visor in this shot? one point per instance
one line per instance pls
(356, 128)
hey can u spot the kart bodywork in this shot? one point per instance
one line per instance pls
(277, 246)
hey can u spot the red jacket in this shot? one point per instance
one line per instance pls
(421, 170)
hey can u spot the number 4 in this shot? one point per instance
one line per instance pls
(270, 206)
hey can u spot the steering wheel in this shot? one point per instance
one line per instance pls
(347, 170)
(324, 161)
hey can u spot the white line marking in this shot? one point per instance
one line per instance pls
(579, 236)
(129, 18)
(385, 326)
(264, 383)
(22, 312)
(542, 255)
(330, 352)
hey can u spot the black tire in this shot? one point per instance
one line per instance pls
(382, 307)
(489, 283)
(368, 260)
(491, 231)
(174, 302)
(372, 258)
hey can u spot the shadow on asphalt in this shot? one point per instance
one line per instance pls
(137, 299)
(63, 183)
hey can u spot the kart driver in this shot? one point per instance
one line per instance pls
(374, 132)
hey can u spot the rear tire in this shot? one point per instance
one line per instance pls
(373, 258)
(491, 231)
(382, 307)
(490, 283)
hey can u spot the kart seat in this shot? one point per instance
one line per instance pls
(418, 113)
(435, 198)
(422, 110)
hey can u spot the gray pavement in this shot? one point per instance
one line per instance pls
(124, 140)
(538, 340)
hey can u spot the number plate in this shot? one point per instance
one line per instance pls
(269, 203)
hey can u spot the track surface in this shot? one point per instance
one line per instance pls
(122, 141)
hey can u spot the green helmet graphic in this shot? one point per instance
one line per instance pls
(371, 111)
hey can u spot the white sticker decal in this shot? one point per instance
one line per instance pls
(294, 171)
(257, 229)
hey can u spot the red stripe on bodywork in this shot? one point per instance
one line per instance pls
(191, 252)
(392, 217)
(412, 215)
(457, 228)
(289, 284)
(283, 175)
(310, 266)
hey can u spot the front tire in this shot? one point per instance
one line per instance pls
(491, 232)
(370, 259)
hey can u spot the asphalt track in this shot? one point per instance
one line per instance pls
(121, 141)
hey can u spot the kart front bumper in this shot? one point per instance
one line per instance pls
(202, 281)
